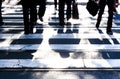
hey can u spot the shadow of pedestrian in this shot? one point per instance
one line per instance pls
(116, 22)
(24, 46)
(64, 42)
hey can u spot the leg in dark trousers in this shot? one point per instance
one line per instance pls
(55, 3)
(68, 13)
(110, 14)
(61, 11)
(102, 7)
(110, 4)
(62, 8)
(42, 8)
(33, 18)
(29, 15)
(1, 19)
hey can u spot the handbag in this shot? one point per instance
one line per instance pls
(92, 7)
(75, 11)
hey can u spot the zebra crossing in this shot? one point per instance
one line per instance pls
(76, 45)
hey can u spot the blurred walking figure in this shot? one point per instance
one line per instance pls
(41, 9)
(1, 19)
(62, 4)
(102, 4)
(29, 15)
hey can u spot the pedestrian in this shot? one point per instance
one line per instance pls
(1, 19)
(62, 4)
(29, 15)
(41, 9)
(102, 4)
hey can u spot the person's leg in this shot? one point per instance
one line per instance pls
(55, 3)
(25, 17)
(101, 11)
(33, 15)
(1, 19)
(42, 8)
(68, 13)
(110, 17)
(61, 11)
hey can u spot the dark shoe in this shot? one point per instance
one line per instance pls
(115, 11)
(55, 8)
(26, 33)
(31, 29)
(109, 32)
(41, 19)
(60, 30)
(68, 23)
(68, 18)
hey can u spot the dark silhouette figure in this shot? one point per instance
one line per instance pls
(102, 5)
(42, 8)
(62, 4)
(1, 19)
(29, 15)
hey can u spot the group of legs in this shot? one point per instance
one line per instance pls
(30, 13)
(102, 5)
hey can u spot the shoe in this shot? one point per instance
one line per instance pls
(1, 23)
(68, 18)
(55, 8)
(109, 32)
(26, 33)
(41, 19)
(60, 30)
(68, 23)
(115, 12)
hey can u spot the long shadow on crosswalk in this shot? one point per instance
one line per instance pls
(65, 41)
(106, 53)
(23, 42)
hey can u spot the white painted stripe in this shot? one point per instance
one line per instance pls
(13, 21)
(42, 63)
(102, 63)
(11, 16)
(60, 63)
(69, 47)
(61, 36)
